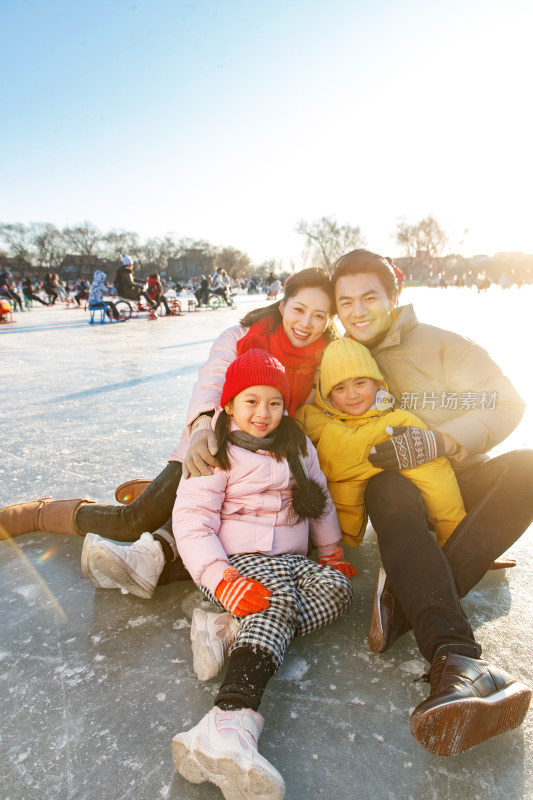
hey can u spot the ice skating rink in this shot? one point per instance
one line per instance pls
(94, 684)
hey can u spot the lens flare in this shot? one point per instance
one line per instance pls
(45, 556)
(4, 535)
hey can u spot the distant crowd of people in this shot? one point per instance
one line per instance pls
(154, 289)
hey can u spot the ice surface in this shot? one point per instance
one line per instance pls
(91, 700)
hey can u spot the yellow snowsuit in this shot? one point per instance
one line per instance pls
(343, 443)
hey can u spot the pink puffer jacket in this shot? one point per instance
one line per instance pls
(246, 509)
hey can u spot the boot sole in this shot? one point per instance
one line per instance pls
(204, 661)
(85, 557)
(120, 572)
(236, 782)
(134, 490)
(98, 581)
(377, 641)
(185, 762)
(454, 728)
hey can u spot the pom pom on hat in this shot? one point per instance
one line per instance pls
(126, 261)
(344, 358)
(254, 368)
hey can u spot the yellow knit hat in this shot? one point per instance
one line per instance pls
(345, 358)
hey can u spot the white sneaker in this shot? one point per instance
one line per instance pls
(222, 749)
(135, 568)
(98, 579)
(212, 635)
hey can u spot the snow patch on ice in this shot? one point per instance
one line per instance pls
(179, 624)
(142, 620)
(29, 592)
(295, 671)
(356, 701)
(414, 667)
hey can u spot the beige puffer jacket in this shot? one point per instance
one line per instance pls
(458, 388)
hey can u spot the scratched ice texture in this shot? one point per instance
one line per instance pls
(95, 684)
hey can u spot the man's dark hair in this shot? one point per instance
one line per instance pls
(358, 261)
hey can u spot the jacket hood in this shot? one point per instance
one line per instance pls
(99, 276)
(332, 411)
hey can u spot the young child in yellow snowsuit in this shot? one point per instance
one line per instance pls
(352, 413)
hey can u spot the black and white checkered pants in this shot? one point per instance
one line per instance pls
(305, 597)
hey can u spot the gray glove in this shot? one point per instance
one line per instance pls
(202, 449)
(409, 447)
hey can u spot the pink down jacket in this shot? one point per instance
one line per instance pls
(246, 509)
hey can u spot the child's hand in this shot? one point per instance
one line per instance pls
(338, 561)
(409, 447)
(240, 595)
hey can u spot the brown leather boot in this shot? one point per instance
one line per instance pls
(127, 492)
(47, 515)
(387, 620)
(469, 701)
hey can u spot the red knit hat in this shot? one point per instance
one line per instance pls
(254, 368)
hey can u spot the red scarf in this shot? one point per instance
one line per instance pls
(300, 362)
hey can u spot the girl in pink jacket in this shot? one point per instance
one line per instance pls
(243, 534)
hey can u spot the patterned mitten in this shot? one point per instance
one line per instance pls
(409, 447)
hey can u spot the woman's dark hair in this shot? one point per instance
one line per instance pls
(312, 278)
(289, 439)
(155, 276)
(358, 261)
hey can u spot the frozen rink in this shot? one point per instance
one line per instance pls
(95, 684)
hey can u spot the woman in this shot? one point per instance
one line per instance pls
(129, 287)
(295, 330)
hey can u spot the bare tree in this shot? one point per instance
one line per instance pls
(326, 240)
(83, 239)
(18, 240)
(236, 263)
(115, 244)
(49, 245)
(423, 242)
(268, 267)
(154, 255)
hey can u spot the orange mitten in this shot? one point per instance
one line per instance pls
(240, 595)
(337, 561)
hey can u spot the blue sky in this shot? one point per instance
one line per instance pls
(230, 121)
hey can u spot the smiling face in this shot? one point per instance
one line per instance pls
(354, 395)
(363, 306)
(305, 316)
(257, 410)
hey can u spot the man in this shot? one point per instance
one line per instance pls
(469, 406)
